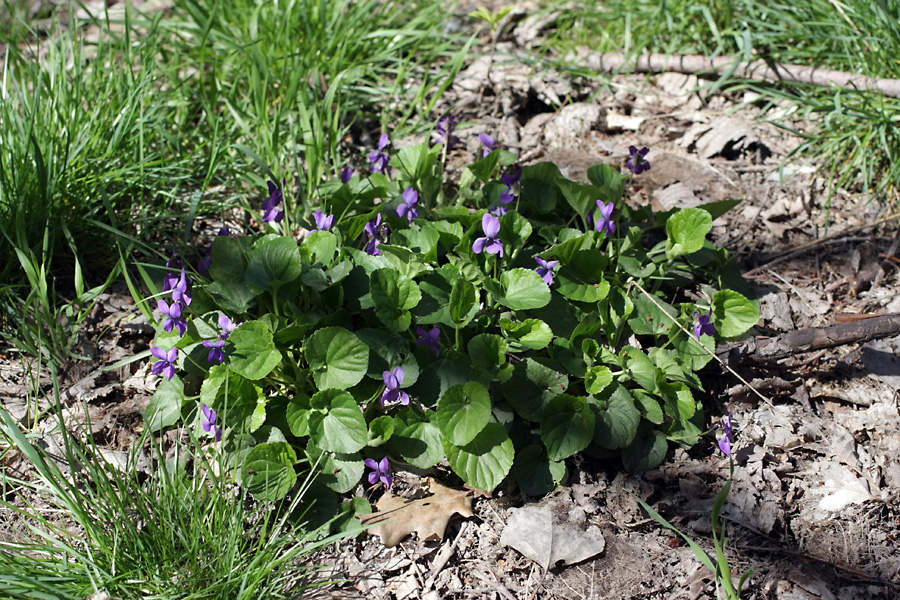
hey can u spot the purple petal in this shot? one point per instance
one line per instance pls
(486, 140)
(478, 246)
(490, 225)
(410, 196)
(399, 373)
(384, 141)
(158, 353)
(494, 247)
(371, 464)
(374, 477)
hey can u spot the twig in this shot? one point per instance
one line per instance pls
(781, 257)
(812, 339)
(501, 589)
(615, 62)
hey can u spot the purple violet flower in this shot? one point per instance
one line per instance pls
(323, 222)
(445, 127)
(216, 352)
(346, 174)
(511, 182)
(724, 434)
(174, 317)
(180, 290)
(381, 471)
(490, 144)
(431, 339)
(209, 421)
(380, 158)
(392, 381)
(171, 277)
(704, 324)
(166, 363)
(408, 206)
(490, 244)
(637, 163)
(225, 231)
(271, 206)
(545, 270)
(605, 222)
(375, 231)
(228, 326)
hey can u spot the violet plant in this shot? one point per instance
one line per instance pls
(414, 324)
(719, 566)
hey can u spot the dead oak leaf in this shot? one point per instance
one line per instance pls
(398, 517)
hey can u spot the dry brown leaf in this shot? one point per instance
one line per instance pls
(427, 517)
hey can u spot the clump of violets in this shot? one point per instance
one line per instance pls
(393, 379)
(545, 270)
(166, 363)
(209, 422)
(637, 164)
(323, 222)
(724, 434)
(408, 208)
(445, 127)
(430, 339)
(381, 471)
(381, 157)
(489, 143)
(376, 233)
(604, 222)
(273, 212)
(704, 324)
(490, 243)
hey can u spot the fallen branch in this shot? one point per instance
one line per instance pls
(809, 340)
(615, 62)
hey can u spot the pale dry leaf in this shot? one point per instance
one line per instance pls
(548, 540)
(426, 517)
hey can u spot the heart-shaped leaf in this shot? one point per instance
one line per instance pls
(337, 358)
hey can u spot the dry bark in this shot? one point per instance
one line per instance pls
(615, 62)
(763, 349)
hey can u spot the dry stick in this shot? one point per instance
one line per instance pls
(713, 354)
(812, 339)
(804, 247)
(616, 62)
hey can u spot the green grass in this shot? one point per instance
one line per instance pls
(131, 131)
(856, 137)
(181, 533)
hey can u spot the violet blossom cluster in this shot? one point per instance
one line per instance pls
(217, 345)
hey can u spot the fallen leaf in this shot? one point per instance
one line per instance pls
(840, 487)
(398, 517)
(539, 535)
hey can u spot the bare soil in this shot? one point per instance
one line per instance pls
(817, 474)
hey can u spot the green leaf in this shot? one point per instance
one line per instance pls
(582, 278)
(610, 182)
(485, 461)
(337, 358)
(462, 301)
(417, 439)
(254, 355)
(534, 383)
(617, 419)
(567, 426)
(487, 351)
(229, 260)
(647, 451)
(535, 473)
(530, 334)
(523, 289)
(640, 368)
(687, 231)
(341, 427)
(649, 406)
(164, 408)
(268, 471)
(463, 411)
(581, 197)
(321, 247)
(649, 317)
(380, 430)
(297, 414)
(275, 260)
(597, 378)
(733, 314)
(394, 295)
(340, 472)
(233, 297)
